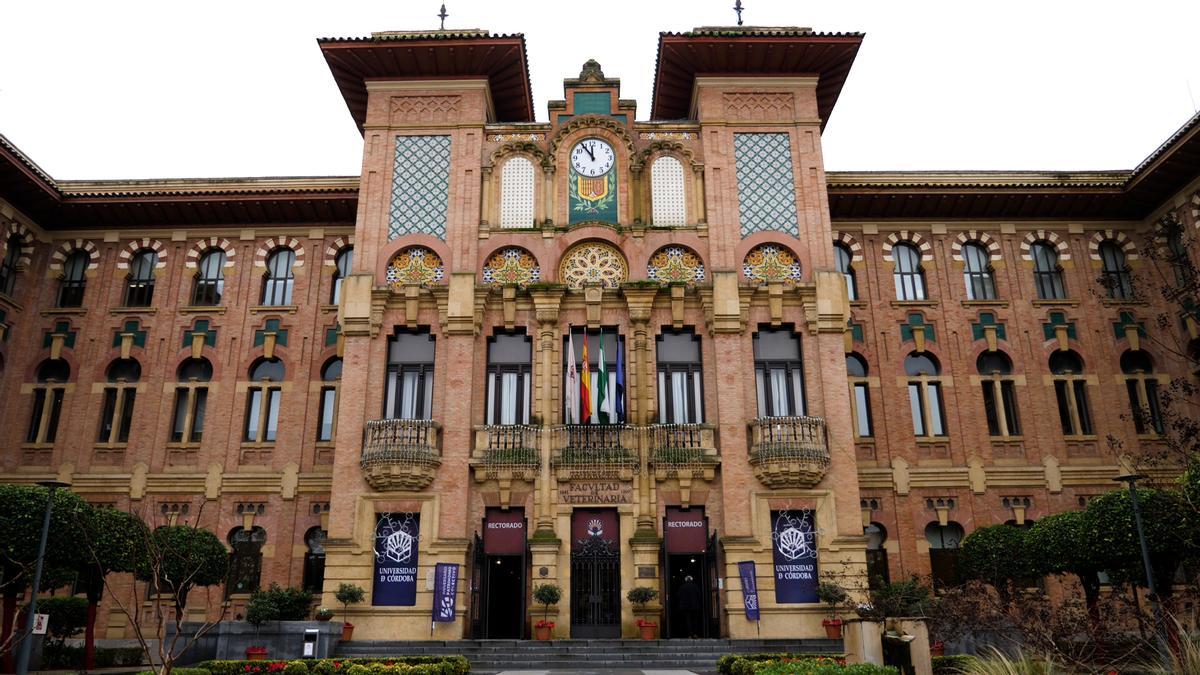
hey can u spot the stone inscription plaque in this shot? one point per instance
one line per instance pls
(595, 492)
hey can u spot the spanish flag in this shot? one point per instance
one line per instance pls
(585, 388)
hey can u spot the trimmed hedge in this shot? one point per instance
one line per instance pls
(180, 671)
(398, 665)
(822, 667)
(952, 665)
(748, 664)
(67, 657)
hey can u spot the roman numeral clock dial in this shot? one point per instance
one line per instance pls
(592, 157)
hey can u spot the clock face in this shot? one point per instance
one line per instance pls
(592, 157)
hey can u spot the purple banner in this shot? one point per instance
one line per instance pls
(396, 547)
(794, 543)
(445, 590)
(749, 589)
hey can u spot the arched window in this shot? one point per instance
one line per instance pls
(667, 193)
(999, 394)
(314, 559)
(410, 376)
(844, 260)
(925, 394)
(1177, 255)
(209, 284)
(1047, 274)
(977, 272)
(1142, 386)
(908, 275)
(778, 373)
(331, 375)
(877, 559)
(245, 560)
(860, 395)
(116, 415)
(1115, 273)
(341, 269)
(8, 266)
(74, 280)
(139, 285)
(516, 192)
(509, 379)
(48, 394)
(1070, 387)
(279, 279)
(191, 401)
(944, 541)
(262, 401)
(680, 387)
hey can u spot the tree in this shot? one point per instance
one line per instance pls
(114, 542)
(349, 594)
(1113, 541)
(1058, 544)
(22, 509)
(996, 556)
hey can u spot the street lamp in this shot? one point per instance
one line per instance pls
(1131, 479)
(27, 639)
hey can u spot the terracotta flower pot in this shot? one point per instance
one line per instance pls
(938, 649)
(322, 617)
(256, 653)
(647, 630)
(542, 632)
(347, 631)
(833, 628)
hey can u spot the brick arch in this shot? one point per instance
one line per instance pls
(495, 250)
(265, 248)
(207, 353)
(908, 236)
(27, 239)
(700, 270)
(567, 253)
(1052, 238)
(974, 236)
(43, 355)
(335, 247)
(848, 240)
(198, 248)
(66, 248)
(1196, 208)
(1119, 238)
(639, 258)
(395, 246)
(132, 247)
(979, 347)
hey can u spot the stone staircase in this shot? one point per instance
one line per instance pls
(498, 655)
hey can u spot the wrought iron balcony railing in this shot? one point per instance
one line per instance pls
(681, 446)
(509, 445)
(789, 451)
(595, 450)
(400, 454)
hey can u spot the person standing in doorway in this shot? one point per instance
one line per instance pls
(689, 601)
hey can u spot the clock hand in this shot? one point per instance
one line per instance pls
(588, 149)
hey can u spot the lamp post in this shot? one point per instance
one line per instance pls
(27, 639)
(1131, 479)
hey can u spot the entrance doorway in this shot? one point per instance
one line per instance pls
(595, 574)
(690, 572)
(499, 579)
(504, 594)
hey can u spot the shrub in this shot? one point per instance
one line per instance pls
(821, 668)
(349, 594)
(296, 668)
(952, 665)
(68, 616)
(744, 664)
(108, 657)
(278, 604)
(640, 595)
(398, 665)
(358, 669)
(180, 671)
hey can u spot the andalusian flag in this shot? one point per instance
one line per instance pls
(585, 387)
(605, 404)
(572, 381)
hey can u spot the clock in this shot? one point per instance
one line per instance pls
(592, 157)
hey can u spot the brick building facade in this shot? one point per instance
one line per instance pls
(345, 375)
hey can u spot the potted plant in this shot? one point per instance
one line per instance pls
(832, 595)
(348, 594)
(546, 595)
(938, 648)
(323, 614)
(259, 610)
(640, 595)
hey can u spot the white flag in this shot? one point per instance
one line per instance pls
(571, 394)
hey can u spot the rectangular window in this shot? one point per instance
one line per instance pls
(509, 379)
(328, 408)
(1085, 420)
(253, 410)
(409, 391)
(1009, 393)
(928, 412)
(272, 414)
(35, 420)
(55, 408)
(1062, 393)
(916, 405)
(779, 373)
(106, 415)
(862, 410)
(612, 343)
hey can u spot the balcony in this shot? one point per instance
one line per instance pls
(507, 453)
(678, 450)
(400, 455)
(595, 451)
(789, 452)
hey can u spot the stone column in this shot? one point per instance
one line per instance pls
(546, 377)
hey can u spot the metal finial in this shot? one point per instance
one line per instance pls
(442, 15)
(737, 7)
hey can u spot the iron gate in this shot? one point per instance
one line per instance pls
(595, 589)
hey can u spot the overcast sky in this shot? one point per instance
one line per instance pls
(164, 88)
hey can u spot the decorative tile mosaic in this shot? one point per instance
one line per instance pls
(593, 262)
(675, 264)
(667, 135)
(666, 192)
(766, 186)
(505, 138)
(771, 262)
(415, 265)
(592, 199)
(516, 193)
(511, 265)
(420, 186)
